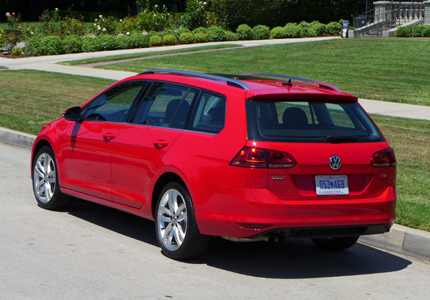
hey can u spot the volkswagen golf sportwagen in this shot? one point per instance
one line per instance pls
(246, 157)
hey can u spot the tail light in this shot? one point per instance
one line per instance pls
(384, 158)
(252, 157)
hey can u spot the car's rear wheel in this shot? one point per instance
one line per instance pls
(45, 181)
(176, 226)
(336, 243)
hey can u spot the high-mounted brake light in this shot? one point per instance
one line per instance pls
(252, 157)
(384, 158)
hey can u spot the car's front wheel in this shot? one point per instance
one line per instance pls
(336, 243)
(45, 181)
(176, 226)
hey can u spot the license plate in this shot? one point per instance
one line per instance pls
(331, 185)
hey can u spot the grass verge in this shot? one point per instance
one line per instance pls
(31, 99)
(28, 102)
(410, 140)
(146, 54)
(381, 69)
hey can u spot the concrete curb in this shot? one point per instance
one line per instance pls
(401, 239)
(16, 138)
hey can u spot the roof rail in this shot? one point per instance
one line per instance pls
(321, 84)
(229, 81)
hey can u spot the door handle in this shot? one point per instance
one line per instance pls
(108, 136)
(159, 144)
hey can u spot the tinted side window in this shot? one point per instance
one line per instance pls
(114, 104)
(163, 103)
(209, 115)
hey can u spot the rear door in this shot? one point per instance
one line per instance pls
(139, 147)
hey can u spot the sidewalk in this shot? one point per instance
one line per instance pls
(400, 239)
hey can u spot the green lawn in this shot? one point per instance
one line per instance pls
(146, 54)
(28, 102)
(411, 142)
(381, 69)
(30, 99)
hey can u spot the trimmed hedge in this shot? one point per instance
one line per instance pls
(169, 39)
(33, 46)
(156, 40)
(51, 45)
(216, 34)
(278, 33)
(201, 37)
(138, 40)
(72, 44)
(107, 41)
(90, 44)
(261, 32)
(186, 38)
(244, 32)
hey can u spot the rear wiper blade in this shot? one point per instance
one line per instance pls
(340, 139)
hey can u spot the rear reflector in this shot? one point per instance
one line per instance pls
(384, 158)
(252, 157)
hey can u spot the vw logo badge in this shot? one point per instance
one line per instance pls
(335, 162)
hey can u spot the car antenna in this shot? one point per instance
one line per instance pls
(287, 83)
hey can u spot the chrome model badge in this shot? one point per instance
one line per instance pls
(335, 162)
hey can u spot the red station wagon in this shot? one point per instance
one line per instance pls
(246, 157)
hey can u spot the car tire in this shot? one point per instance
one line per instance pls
(335, 243)
(176, 226)
(46, 187)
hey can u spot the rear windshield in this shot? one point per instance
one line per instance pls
(312, 121)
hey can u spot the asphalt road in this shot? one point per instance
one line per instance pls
(93, 252)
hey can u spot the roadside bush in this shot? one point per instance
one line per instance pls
(139, 40)
(244, 32)
(261, 32)
(318, 27)
(310, 32)
(90, 44)
(201, 37)
(200, 30)
(416, 31)
(231, 36)
(52, 45)
(334, 28)
(123, 42)
(169, 39)
(107, 42)
(216, 34)
(182, 30)
(426, 31)
(16, 51)
(33, 46)
(152, 33)
(72, 44)
(402, 32)
(186, 38)
(278, 33)
(292, 30)
(156, 40)
(170, 32)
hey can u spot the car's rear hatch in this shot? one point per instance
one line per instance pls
(317, 149)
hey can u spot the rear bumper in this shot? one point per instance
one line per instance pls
(255, 212)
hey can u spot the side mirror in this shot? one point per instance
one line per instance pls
(73, 114)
